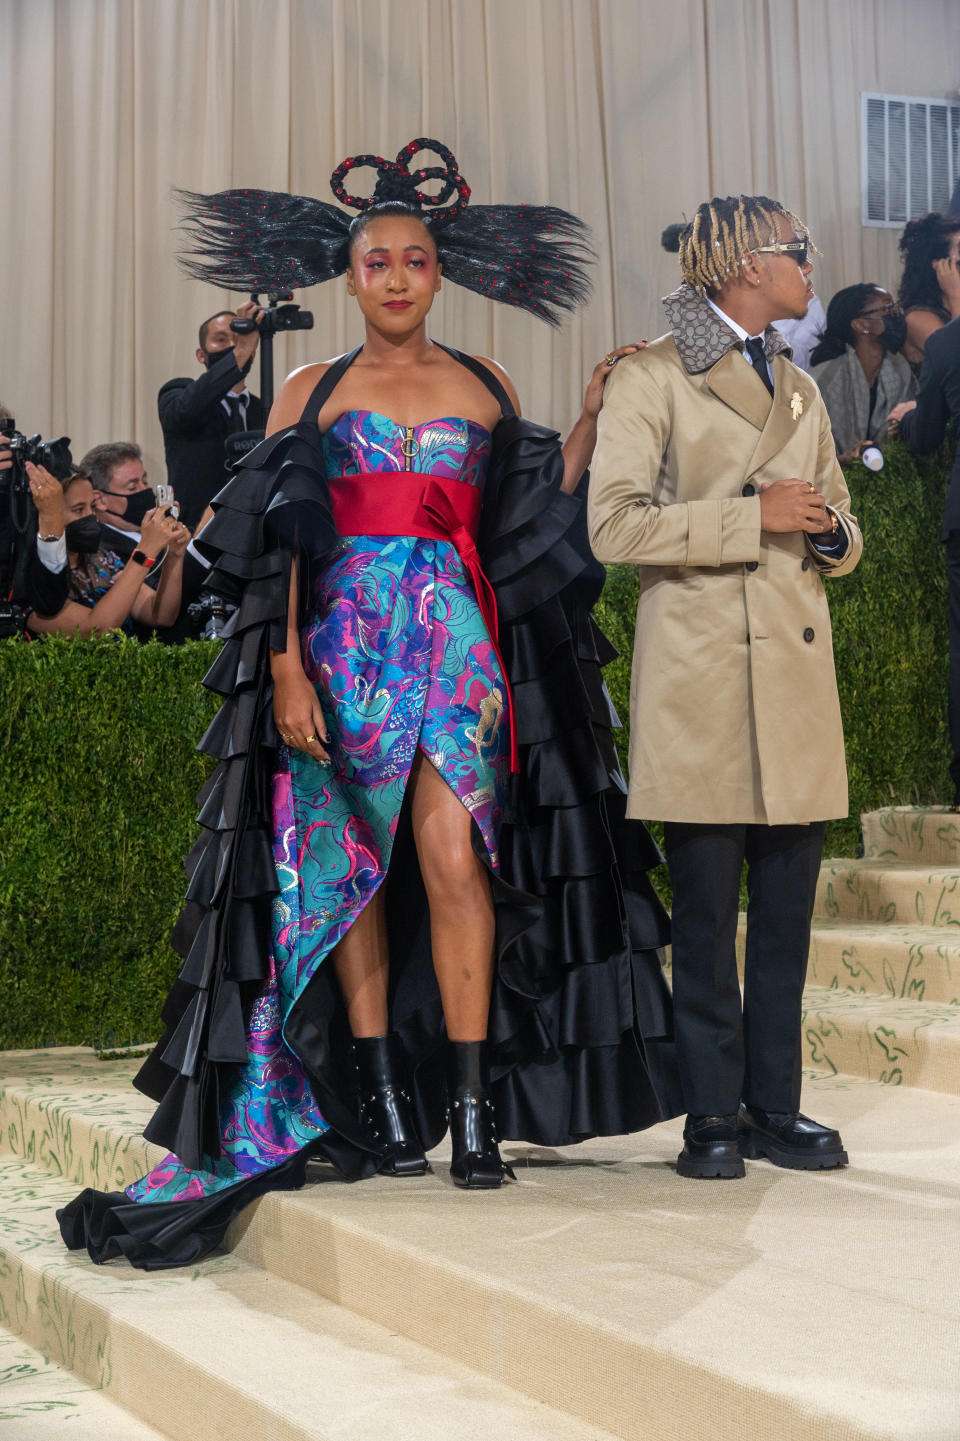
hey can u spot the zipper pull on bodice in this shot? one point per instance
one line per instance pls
(409, 446)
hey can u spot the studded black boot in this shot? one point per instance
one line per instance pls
(476, 1162)
(385, 1106)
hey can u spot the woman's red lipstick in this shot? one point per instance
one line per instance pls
(398, 304)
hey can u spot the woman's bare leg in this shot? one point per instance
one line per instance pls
(461, 905)
(362, 964)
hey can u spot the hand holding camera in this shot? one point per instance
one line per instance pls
(244, 326)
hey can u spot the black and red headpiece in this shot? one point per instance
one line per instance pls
(531, 256)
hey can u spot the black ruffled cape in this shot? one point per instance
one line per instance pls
(580, 1020)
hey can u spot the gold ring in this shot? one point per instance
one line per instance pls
(609, 359)
(309, 739)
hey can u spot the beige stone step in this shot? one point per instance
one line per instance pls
(908, 962)
(886, 1039)
(878, 892)
(41, 1401)
(229, 1351)
(661, 1309)
(913, 835)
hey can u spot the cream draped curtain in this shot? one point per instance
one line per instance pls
(628, 112)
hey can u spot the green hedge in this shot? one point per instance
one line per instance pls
(98, 771)
(98, 774)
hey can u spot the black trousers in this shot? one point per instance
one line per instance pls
(730, 1051)
(952, 547)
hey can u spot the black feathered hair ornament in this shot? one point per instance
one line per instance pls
(531, 256)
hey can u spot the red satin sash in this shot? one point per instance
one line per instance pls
(430, 508)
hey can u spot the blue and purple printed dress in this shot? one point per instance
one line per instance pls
(401, 659)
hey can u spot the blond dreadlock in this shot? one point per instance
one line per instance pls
(724, 231)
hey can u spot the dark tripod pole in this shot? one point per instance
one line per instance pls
(266, 369)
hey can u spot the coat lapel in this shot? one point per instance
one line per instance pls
(781, 422)
(733, 381)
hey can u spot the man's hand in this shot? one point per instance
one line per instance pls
(47, 495)
(791, 505)
(897, 414)
(159, 530)
(245, 347)
(6, 458)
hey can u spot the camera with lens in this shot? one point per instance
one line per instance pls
(53, 455)
(209, 615)
(275, 317)
(13, 619)
(18, 515)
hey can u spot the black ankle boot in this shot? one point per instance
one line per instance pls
(476, 1162)
(385, 1106)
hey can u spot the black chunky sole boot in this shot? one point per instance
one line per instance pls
(385, 1106)
(476, 1163)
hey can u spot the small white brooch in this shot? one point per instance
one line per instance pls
(796, 405)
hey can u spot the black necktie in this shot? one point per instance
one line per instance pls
(755, 352)
(238, 413)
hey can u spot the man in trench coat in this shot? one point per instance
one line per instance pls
(716, 473)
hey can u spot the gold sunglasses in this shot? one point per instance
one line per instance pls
(796, 248)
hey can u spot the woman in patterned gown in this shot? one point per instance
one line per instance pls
(448, 855)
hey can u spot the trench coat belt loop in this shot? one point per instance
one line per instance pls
(430, 508)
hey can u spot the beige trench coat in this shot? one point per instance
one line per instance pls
(734, 710)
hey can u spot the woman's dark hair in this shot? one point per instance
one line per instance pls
(532, 256)
(385, 208)
(923, 241)
(845, 307)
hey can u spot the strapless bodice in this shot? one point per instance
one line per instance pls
(360, 441)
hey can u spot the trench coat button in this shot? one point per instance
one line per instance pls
(805, 563)
(748, 489)
(808, 633)
(752, 564)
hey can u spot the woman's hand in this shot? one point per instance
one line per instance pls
(947, 272)
(897, 414)
(593, 399)
(851, 456)
(47, 495)
(579, 445)
(296, 710)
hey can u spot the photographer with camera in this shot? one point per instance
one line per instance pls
(122, 494)
(104, 593)
(197, 415)
(33, 558)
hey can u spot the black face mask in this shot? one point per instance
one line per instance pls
(212, 356)
(137, 505)
(894, 333)
(83, 535)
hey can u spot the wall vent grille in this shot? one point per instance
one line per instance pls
(910, 157)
